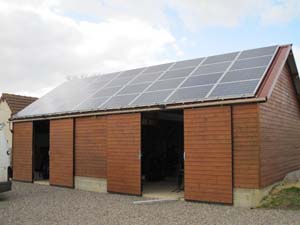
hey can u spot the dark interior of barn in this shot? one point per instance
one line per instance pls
(162, 151)
(41, 150)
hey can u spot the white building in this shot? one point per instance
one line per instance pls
(9, 105)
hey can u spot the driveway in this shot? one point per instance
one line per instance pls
(38, 204)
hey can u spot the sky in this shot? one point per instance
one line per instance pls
(46, 42)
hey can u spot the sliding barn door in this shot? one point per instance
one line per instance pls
(61, 152)
(22, 151)
(208, 154)
(123, 153)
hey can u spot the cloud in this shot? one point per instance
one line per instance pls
(44, 41)
(231, 13)
(40, 48)
(195, 14)
(281, 12)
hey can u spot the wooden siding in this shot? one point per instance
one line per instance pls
(274, 71)
(280, 131)
(123, 153)
(90, 147)
(246, 146)
(208, 154)
(61, 152)
(22, 151)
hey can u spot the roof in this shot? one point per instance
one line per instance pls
(232, 76)
(17, 102)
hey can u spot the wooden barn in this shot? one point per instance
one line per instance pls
(221, 129)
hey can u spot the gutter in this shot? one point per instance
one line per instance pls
(144, 109)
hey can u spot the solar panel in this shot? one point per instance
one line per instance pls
(90, 103)
(187, 63)
(191, 93)
(258, 52)
(158, 68)
(119, 81)
(151, 98)
(202, 80)
(234, 89)
(165, 84)
(97, 84)
(131, 73)
(250, 63)
(146, 78)
(232, 75)
(177, 73)
(220, 58)
(245, 74)
(106, 92)
(135, 88)
(119, 101)
(212, 68)
(62, 98)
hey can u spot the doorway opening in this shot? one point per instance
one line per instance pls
(162, 154)
(41, 151)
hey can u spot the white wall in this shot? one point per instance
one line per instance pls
(5, 114)
(4, 157)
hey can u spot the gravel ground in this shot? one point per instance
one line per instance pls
(37, 204)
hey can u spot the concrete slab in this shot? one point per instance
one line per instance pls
(162, 190)
(152, 201)
(42, 182)
(91, 184)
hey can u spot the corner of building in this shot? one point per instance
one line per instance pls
(244, 197)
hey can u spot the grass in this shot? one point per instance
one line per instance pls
(288, 198)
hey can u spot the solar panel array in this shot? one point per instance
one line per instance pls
(232, 75)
